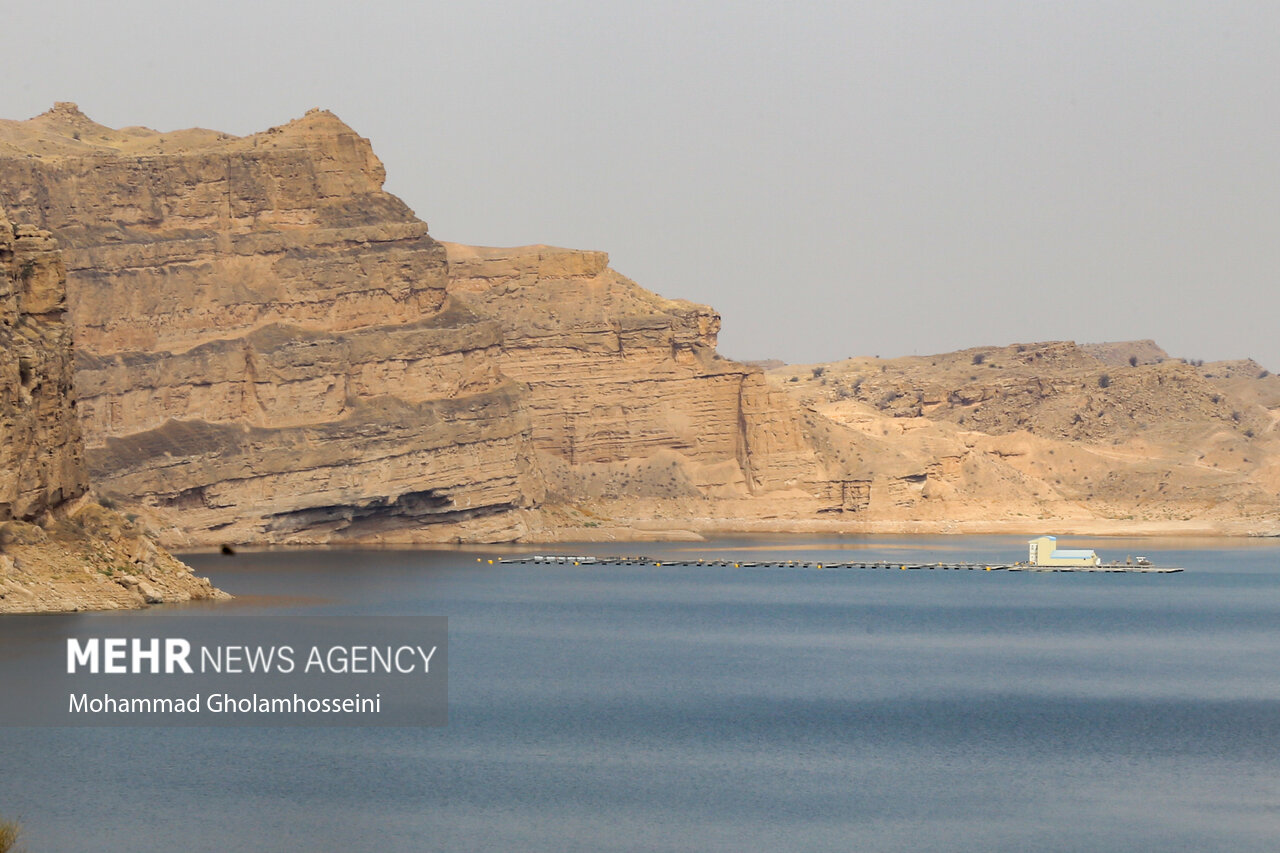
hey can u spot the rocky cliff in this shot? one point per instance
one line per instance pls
(59, 550)
(41, 464)
(273, 349)
(627, 395)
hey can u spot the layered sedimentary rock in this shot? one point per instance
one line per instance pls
(59, 550)
(265, 348)
(41, 464)
(272, 348)
(627, 395)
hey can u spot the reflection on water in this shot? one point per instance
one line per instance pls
(645, 708)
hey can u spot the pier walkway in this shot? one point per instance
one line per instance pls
(896, 565)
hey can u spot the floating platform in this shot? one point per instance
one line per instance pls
(895, 565)
(1111, 568)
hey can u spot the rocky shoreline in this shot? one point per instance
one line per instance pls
(96, 559)
(90, 558)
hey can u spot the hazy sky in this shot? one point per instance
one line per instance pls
(835, 178)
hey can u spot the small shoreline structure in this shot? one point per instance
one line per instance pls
(1043, 556)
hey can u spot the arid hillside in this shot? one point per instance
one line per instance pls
(1115, 432)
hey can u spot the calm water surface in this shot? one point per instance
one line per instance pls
(717, 709)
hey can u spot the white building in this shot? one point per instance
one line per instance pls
(1044, 552)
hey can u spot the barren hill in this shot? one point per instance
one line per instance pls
(1115, 432)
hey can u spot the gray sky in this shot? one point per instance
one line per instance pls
(835, 178)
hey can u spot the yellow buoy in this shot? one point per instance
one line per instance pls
(904, 568)
(491, 562)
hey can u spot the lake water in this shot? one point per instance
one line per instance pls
(721, 709)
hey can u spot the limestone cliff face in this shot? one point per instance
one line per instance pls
(59, 550)
(265, 349)
(41, 464)
(272, 348)
(175, 240)
(621, 380)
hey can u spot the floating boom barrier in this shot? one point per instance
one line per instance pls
(896, 565)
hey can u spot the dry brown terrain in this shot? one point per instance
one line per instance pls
(272, 349)
(86, 557)
(1107, 437)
